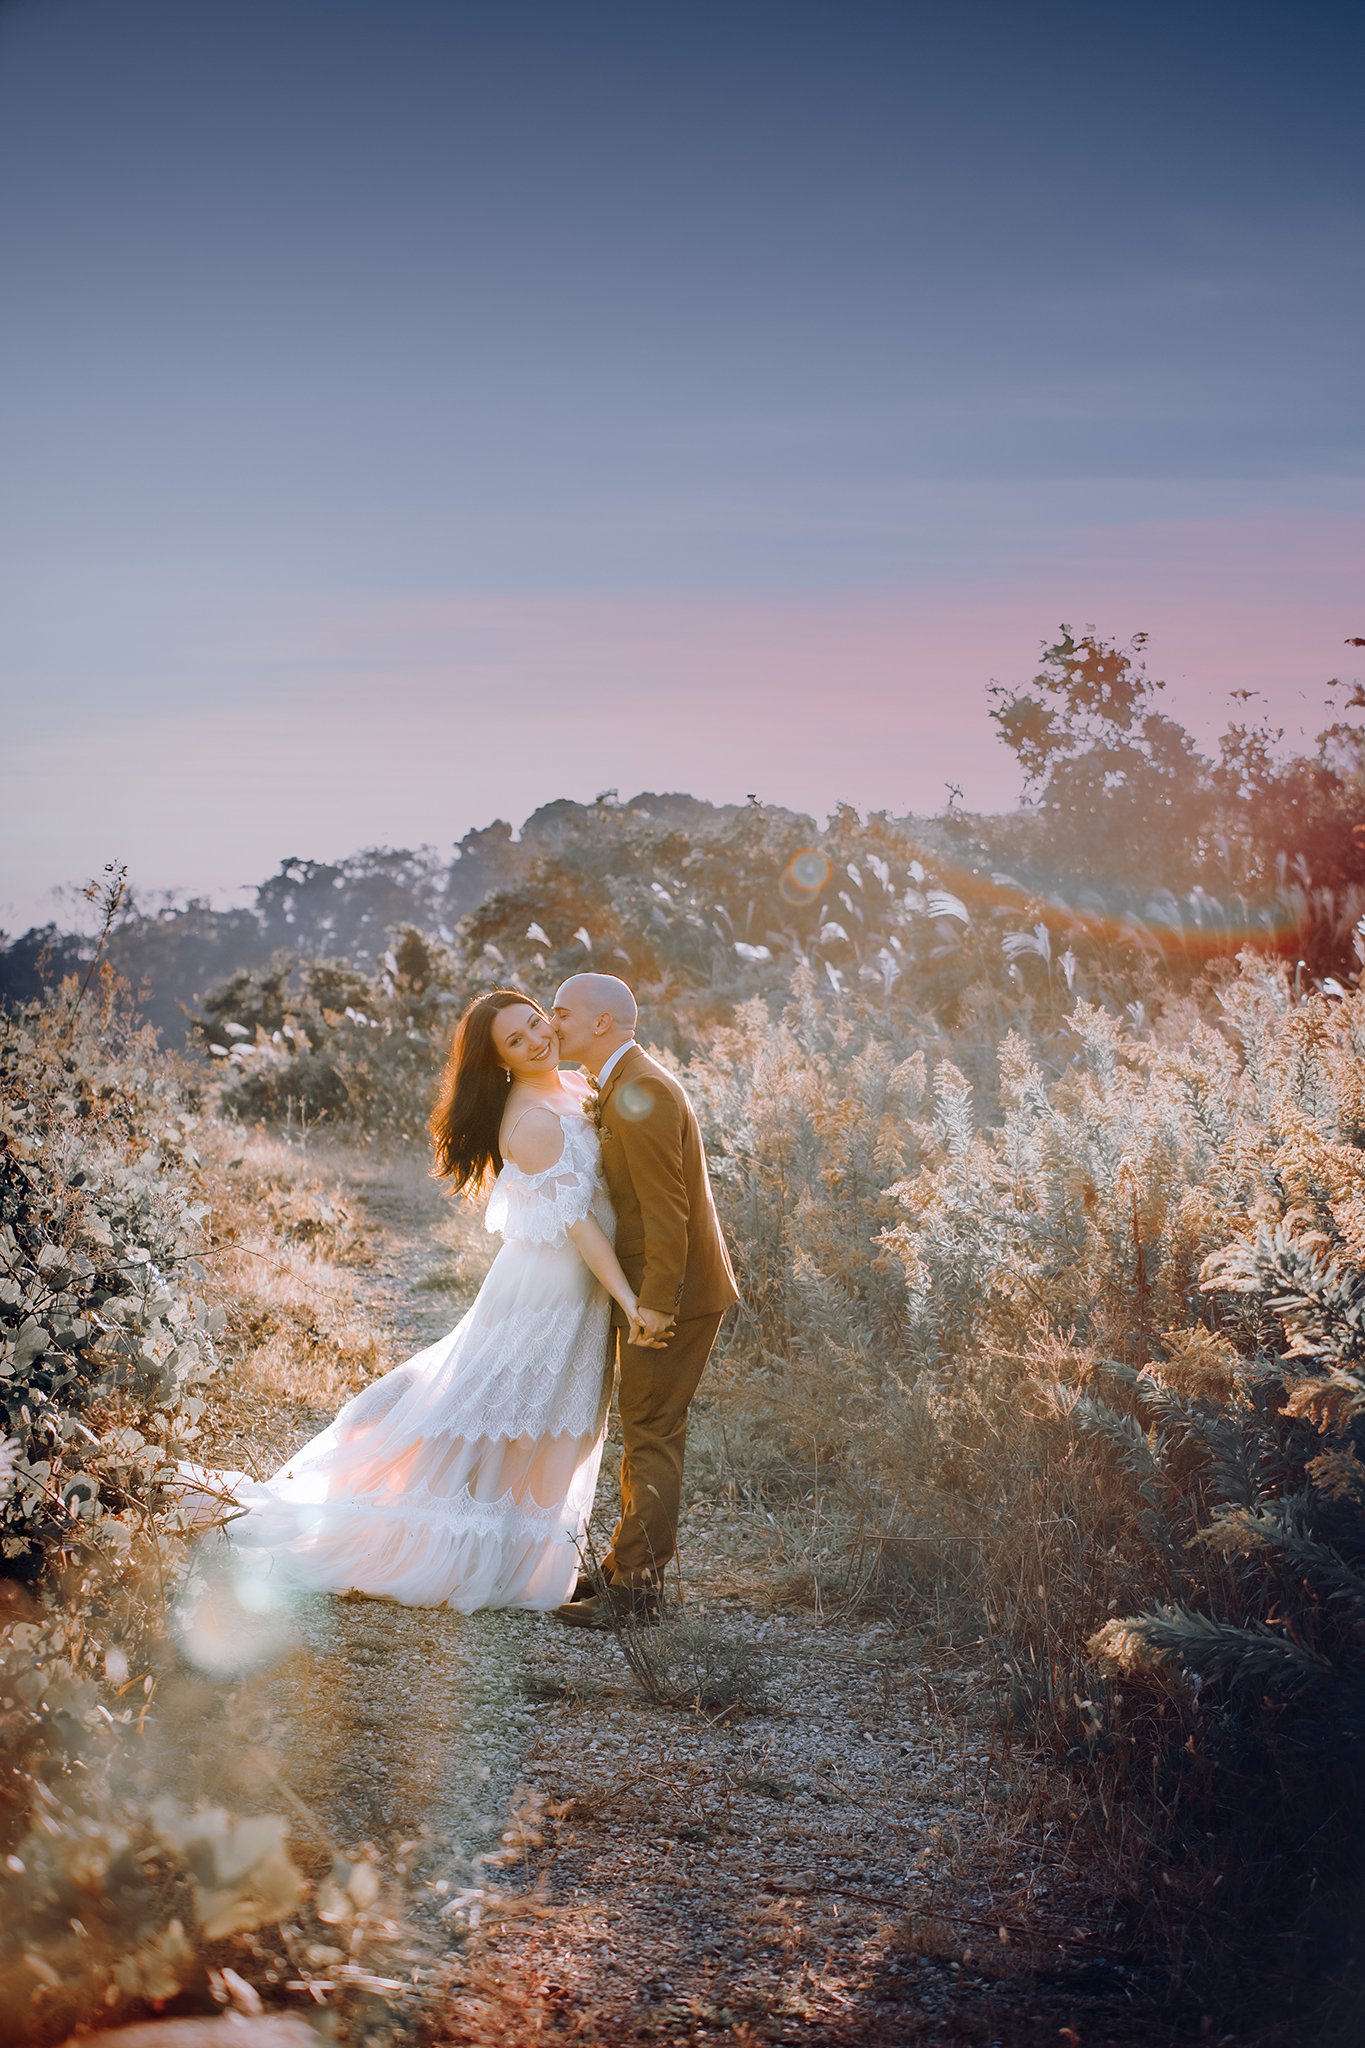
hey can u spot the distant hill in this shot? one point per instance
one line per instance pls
(175, 954)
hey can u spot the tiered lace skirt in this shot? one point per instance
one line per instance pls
(465, 1477)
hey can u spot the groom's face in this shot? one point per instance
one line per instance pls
(574, 1021)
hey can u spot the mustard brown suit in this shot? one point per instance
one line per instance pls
(669, 1242)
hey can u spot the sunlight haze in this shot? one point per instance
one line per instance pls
(414, 415)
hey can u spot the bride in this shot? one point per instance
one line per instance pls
(464, 1477)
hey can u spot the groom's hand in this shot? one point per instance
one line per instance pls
(650, 1329)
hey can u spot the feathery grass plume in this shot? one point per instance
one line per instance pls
(1173, 1524)
(1247, 1654)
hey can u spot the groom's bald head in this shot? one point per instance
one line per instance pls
(594, 1014)
(606, 995)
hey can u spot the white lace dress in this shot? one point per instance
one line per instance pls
(464, 1477)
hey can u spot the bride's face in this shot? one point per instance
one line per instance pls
(525, 1042)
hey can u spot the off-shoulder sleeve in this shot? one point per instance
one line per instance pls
(542, 1208)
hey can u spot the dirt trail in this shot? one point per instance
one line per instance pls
(384, 1724)
(427, 1714)
(842, 1855)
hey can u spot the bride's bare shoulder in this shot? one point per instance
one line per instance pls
(577, 1085)
(534, 1140)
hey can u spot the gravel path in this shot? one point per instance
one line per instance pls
(855, 1861)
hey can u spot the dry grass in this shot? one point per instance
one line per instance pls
(288, 1249)
(467, 1249)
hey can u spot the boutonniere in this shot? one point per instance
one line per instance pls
(592, 1109)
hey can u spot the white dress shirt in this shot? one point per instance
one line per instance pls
(609, 1063)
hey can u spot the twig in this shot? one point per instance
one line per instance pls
(789, 1890)
(109, 895)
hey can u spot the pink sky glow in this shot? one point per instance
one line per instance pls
(370, 720)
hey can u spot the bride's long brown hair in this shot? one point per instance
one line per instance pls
(465, 1122)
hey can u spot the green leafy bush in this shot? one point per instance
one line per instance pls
(104, 1342)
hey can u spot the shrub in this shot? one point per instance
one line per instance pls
(104, 1341)
(322, 1041)
(809, 1117)
(1137, 1316)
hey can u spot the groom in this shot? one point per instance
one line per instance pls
(669, 1242)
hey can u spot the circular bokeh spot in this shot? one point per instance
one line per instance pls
(632, 1101)
(234, 1613)
(805, 875)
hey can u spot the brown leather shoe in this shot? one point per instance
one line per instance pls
(611, 1608)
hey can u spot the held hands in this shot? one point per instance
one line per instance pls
(650, 1328)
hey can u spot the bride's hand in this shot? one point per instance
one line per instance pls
(629, 1305)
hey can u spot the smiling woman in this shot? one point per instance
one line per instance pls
(495, 1038)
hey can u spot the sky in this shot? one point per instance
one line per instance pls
(413, 413)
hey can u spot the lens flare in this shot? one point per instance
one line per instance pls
(234, 1613)
(632, 1101)
(805, 875)
(1194, 927)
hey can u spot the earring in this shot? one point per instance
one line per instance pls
(507, 1075)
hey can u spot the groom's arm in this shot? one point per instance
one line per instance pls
(652, 1146)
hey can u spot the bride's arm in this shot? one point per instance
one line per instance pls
(537, 1145)
(598, 1255)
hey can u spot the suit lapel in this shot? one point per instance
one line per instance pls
(625, 1065)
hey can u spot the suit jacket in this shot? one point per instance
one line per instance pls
(668, 1236)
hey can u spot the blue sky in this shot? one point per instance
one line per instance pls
(416, 412)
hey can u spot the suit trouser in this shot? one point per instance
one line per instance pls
(654, 1391)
